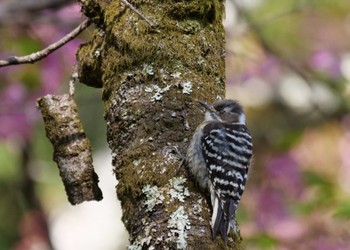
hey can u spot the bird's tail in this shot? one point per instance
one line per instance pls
(223, 217)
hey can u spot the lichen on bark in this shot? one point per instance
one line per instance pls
(72, 149)
(151, 78)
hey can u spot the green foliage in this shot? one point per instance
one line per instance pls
(10, 208)
(265, 242)
(342, 211)
(324, 193)
(9, 163)
(26, 46)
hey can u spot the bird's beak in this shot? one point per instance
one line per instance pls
(207, 106)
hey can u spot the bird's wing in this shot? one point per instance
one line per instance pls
(227, 151)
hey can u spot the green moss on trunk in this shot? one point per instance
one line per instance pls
(151, 78)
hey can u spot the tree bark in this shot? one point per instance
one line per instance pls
(151, 78)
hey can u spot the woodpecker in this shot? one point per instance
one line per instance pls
(219, 157)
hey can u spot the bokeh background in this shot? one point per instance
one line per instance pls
(288, 63)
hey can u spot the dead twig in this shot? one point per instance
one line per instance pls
(129, 5)
(36, 56)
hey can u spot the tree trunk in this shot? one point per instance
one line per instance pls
(151, 78)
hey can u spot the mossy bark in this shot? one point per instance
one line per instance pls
(151, 78)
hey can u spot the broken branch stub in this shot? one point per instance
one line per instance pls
(72, 149)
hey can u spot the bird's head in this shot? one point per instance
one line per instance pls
(226, 110)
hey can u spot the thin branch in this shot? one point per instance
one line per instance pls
(36, 56)
(304, 71)
(269, 48)
(129, 5)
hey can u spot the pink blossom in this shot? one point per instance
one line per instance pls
(325, 61)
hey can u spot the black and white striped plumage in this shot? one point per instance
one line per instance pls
(218, 157)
